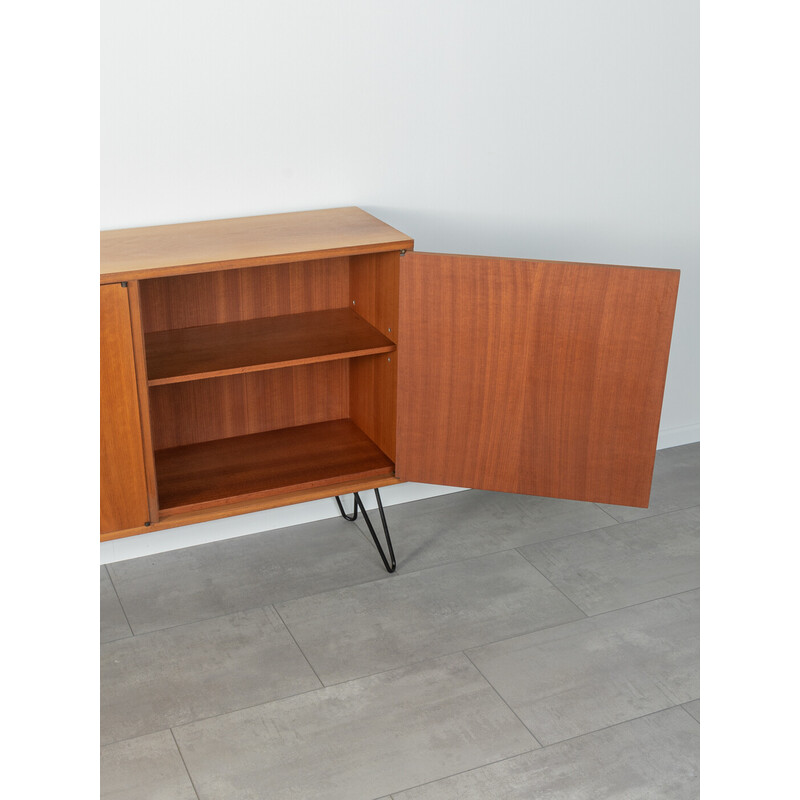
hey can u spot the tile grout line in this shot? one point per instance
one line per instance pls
(502, 699)
(324, 685)
(541, 748)
(547, 746)
(467, 771)
(492, 552)
(358, 584)
(615, 521)
(183, 761)
(642, 602)
(574, 602)
(302, 652)
(683, 706)
(103, 745)
(367, 676)
(647, 516)
(408, 665)
(557, 588)
(395, 575)
(574, 621)
(613, 525)
(220, 714)
(454, 652)
(119, 600)
(622, 722)
(244, 610)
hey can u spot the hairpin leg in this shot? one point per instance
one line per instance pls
(341, 509)
(389, 563)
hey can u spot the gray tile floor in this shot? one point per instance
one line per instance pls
(526, 648)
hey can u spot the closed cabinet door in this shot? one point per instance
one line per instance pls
(536, 377)
(123, 492)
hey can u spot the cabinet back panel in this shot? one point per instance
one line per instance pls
(206, 298)
(236, 405)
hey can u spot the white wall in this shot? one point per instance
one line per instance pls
(559, 129)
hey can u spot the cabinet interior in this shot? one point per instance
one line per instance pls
(270, 379)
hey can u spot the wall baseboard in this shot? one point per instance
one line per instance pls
(148, 544)
(674, 437)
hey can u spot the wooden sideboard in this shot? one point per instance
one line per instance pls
(257, 362)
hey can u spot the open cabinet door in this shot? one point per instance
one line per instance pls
(535, 377)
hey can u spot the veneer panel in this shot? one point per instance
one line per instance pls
(259, 344)
(227, 470)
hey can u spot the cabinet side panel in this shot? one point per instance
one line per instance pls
(374, 296)
(374, 290)
(541, 378)
(123, 488)
(373, 398)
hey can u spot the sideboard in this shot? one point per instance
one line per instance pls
(256, 362)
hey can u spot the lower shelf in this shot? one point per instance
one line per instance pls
(223, 471)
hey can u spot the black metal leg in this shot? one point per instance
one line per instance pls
(389, 563)
(341, 509)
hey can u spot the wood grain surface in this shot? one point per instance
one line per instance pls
(177, 518)
(123, 488)
(373, 399)
(132, 253)
(186, 301)
(536, 377)
(285, 460)
(260, 344)
(140, 363)
(374, 290)
(197, 411)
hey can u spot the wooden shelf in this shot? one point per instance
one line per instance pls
(253, 345)
(258, 465)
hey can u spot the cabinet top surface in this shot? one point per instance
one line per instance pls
(131, 253)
